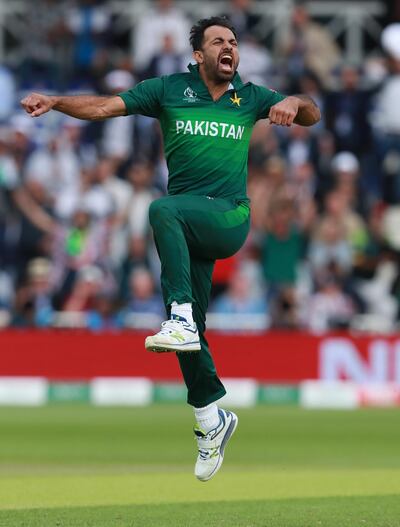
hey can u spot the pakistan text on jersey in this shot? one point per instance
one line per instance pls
(211, 128)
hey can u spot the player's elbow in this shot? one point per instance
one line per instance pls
(110, 107)
(309, 116)
(316, 115)
(99, 113)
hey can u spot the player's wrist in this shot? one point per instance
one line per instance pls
(54, 101)
(295, 101)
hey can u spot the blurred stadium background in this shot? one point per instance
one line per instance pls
(306, 314)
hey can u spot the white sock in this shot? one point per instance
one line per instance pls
(183, 310)
(207, 417)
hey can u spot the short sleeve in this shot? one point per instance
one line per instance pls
(265, 99)
(145, 98)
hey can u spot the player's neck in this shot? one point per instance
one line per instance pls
(216, 89)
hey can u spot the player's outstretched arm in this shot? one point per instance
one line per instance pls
(90, 107)
(299, 109)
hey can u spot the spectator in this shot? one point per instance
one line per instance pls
(144, 307)
(7, 89)
(82, 244)
(302, 188)
(255, 61)
(243, 17)
(261, 189)
(10, 218)
(121, 193)
(102, 315)
(91, 195)
(34, 298)
(281, 253)
(88, 22)
(322, 157)
(347, 112)
(143, 297)
(329, 308)
(263, 144)
(348, 117)
(140, 176)
(117, 139)
(55, 166)
(308, 46)
(298, 145)
(86, 287)
(167, 60)
(239, 298)
(330, 252)
(346, 179)
(376, 271)
(21, 143)
(162, 19)
(387, 116)
(44, 39)
(339, 208)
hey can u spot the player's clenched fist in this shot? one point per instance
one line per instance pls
(37, 104)
(284, 112)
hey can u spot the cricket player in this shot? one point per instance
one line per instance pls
(206, 116)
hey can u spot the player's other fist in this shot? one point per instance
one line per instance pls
(283, 113)
(37, 104)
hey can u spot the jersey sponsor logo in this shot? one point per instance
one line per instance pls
(211, 128)
(190, 95)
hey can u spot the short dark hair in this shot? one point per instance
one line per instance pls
(197, 31)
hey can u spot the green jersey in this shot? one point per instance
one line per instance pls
(206, 142)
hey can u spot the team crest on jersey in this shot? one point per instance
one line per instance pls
(189, 95)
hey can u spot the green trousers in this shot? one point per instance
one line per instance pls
(190, 233)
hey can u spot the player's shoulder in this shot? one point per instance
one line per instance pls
(165, 83)
(176, 84)
(258, 88)
(176, 78)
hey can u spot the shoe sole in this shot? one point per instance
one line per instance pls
(157, 348)
(229, 433)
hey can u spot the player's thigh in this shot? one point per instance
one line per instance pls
(215, 228)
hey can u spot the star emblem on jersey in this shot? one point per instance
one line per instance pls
(235, 99)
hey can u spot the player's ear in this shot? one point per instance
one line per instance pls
(198, 56)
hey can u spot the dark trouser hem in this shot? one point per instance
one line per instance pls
(179, 299)
(205, 402)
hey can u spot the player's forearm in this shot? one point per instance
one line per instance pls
(88, 107)
(34, 212)
(308, 112)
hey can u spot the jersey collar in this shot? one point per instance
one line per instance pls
(199, 86)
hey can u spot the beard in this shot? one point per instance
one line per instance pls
(214, 72)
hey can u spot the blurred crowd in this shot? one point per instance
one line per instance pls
(76, 249)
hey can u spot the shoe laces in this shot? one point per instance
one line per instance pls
(208, 453)
(169, 326)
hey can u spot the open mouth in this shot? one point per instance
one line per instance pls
(226, 63)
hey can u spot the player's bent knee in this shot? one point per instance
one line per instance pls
(157, 210)
(160, 211)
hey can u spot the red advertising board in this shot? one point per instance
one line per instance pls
(271, 357)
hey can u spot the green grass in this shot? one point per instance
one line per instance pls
(83, 466)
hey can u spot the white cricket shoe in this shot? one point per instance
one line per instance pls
(212, 445)
(175, 335)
